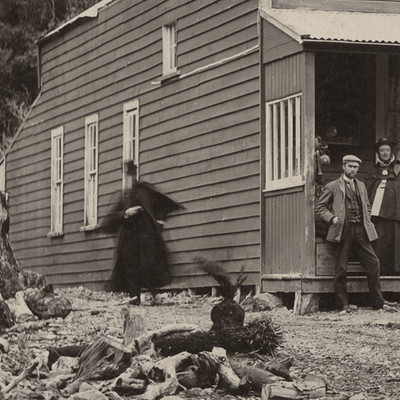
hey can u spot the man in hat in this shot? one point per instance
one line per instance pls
(384, 196)
(345, 207)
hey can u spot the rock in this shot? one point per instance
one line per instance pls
(4, 346)
(268, 301)
(359, 396)
(171, 398)
(59, 381)
(66, 365)
(88, 395)
(19, 308)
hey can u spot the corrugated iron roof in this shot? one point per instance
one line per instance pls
(310, 25)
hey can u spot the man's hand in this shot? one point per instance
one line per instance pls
(133, 210)
(335, 221)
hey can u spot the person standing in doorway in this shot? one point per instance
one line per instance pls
(384, 196)
(344, 205)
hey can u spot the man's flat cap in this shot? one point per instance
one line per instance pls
(351, 158)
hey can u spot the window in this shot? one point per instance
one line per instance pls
(91, 171)
(57, 181)
(169, 49)
(131, 138)
(284, 144)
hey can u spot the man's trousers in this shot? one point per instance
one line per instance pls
(354, 237)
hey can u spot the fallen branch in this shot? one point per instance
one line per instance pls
(25, 373)
(144, 340)
(26, 326)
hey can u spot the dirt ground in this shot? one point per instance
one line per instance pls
(357, 353)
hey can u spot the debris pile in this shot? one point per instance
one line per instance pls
(124, 360)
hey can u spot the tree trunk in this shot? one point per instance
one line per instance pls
(12, 277)
(10, 271)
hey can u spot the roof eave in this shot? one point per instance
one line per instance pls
(284, 28)
(90, 13)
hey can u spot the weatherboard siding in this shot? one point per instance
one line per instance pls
(199, 138)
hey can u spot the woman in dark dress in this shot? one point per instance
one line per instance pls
(142, 259)
(384, 196)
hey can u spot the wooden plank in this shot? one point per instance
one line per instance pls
(94, 94)
(215, 158)
(228, 254)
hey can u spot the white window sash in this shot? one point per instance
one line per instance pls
(91, 170)
(57, 184)
(130, 138)
(169, 49)
(283, 144)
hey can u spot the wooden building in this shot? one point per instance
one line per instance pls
(218, 103)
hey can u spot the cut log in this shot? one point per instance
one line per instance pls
(228, 379)
(164, 377)
(105, 359)
(257, 377)
(133, 324)
(199, 371)
(310, 387)
(144, 341)
(129, 387)
(281, 391)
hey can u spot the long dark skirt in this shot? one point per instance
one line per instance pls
(142, 260)
(387, 246)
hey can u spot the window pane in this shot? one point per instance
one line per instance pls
(283, 158)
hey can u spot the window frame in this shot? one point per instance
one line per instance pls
(130, 151)
(90, 222)
(274, 145)
(57, 180)
(169, 49)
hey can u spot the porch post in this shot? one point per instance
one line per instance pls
(308, 88)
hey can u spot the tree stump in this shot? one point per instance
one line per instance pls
(133, 324)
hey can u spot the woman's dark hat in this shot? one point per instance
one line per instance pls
(382, 141)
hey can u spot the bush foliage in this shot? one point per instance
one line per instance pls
(22, 23)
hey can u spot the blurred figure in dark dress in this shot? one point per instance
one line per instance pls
(384, 196)
(138, 216)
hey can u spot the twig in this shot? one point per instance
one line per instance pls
(24, 374)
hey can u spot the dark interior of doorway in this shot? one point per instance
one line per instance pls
(345, 113)
(345, 108)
